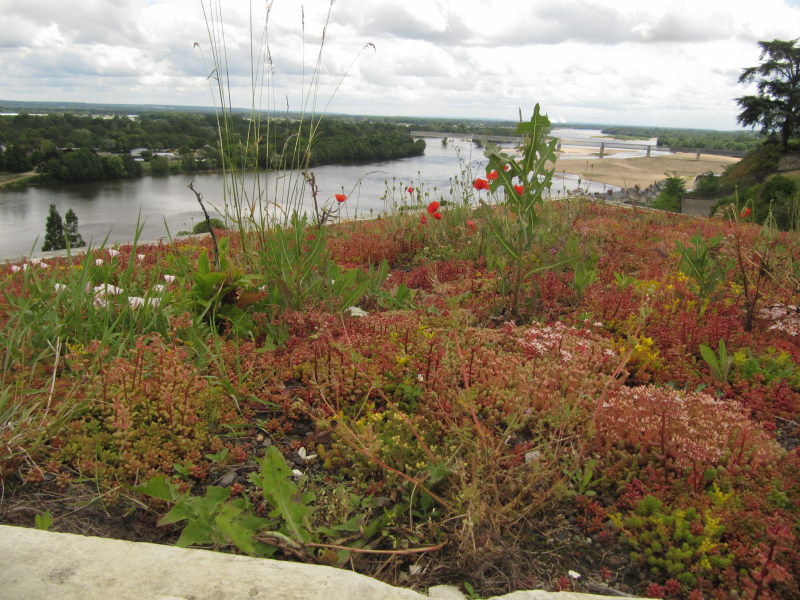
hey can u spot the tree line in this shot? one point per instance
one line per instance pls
(68, 147)
(691, 138)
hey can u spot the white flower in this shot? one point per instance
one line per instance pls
(357, 312)
(153, 301)
(100, 302)
(106, 289)
(420, 377)
(574, 574)
(297, 473)
(158, 288)
(135, 301)
(169, 278)
(99, 262)
(112, 253)
(35, 261)
(140, 257)
(305, 457)
(16, 268)
(60, 287)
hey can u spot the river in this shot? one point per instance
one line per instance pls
(109, 210)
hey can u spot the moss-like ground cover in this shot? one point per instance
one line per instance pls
(371, 397)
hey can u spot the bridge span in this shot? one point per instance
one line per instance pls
(512, 139)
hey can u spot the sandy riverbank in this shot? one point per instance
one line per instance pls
(643, 171)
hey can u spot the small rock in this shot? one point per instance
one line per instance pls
(227, 479)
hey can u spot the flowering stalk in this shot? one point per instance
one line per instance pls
(524, 183)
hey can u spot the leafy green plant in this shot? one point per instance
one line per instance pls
(720, 363)
(583, 478)
(218, 521)
(525, 183)
(770, 366)
(671, 195)
(43, 521)
(701, 262)
(584, 274)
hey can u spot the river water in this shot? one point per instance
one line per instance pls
(109, 210)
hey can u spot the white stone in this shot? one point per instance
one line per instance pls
(446, 592)
(43, 564)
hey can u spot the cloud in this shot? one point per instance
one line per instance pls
(616, 59)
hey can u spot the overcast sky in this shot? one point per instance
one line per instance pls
(639, 62)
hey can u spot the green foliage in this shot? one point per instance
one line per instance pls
(297, 269)
(54, 231)
(775, 108)
(777, 198)
(159, 165)
(202, 226)
(515, 233)
(701, 262)
(294, 508)
(43, 521)
(720, 363)
(675, 543)
(584, 271)
(71, 233)
(689, 138)
(216, 520)
(773, 365)
(61, 234)
(336, 141)
(671, 195)
(708, 185)
(211, 520)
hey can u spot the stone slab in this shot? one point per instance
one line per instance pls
(37, 564)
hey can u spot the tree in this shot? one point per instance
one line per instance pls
(671, 195)
(71, 233)
(54, 231)
(777, 106)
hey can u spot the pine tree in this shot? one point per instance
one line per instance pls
(54, 231)
(71, 233)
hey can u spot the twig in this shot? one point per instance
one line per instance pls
(199, 197)
(367, 551)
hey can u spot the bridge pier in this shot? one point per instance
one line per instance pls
(602, 149)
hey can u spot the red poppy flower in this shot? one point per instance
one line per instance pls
(423, 220)
(437, 215)
(340, 197)
(410, 190)
(519, 189)
(491, 175)
(745, 212)
(480, 184)
(433, 207)
(506, 167)
(471, 226)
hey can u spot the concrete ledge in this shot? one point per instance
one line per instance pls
(41, 564)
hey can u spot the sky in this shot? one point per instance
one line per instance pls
(670, 63)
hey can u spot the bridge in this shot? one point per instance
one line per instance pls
(601, 144)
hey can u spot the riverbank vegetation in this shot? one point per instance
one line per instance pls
(71, 148)
(743, 141)
(492, 390)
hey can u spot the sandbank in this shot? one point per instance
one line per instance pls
(643, 171)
